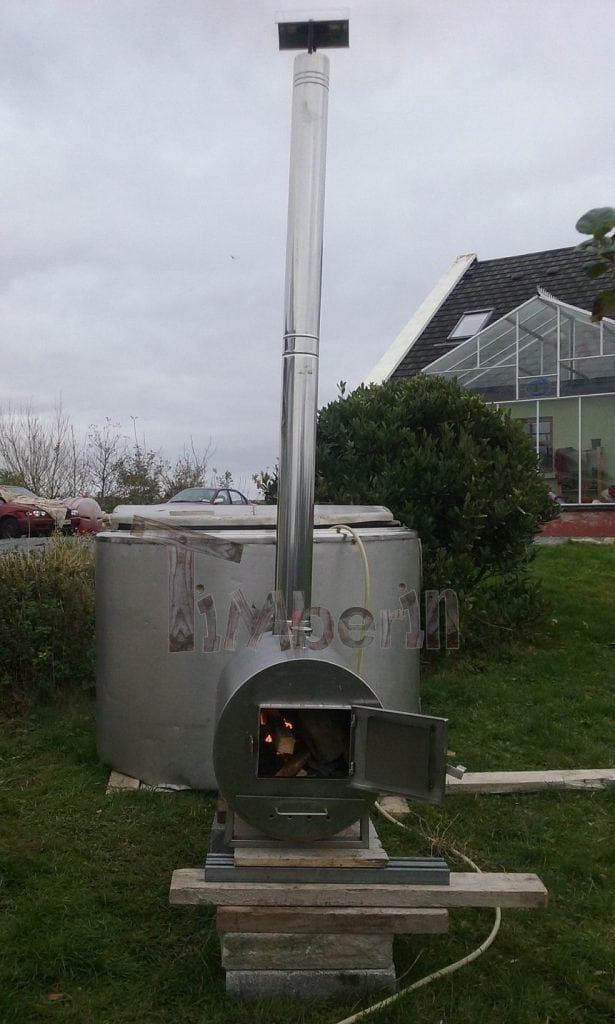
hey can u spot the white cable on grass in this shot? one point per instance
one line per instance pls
(450, 968)
(367, 585)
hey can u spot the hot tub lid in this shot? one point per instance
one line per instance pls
(201, 517)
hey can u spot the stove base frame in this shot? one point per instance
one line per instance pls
(237, 833)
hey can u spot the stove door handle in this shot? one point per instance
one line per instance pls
(301, 814)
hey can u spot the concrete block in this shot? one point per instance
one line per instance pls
(308, 984)
(268, 951)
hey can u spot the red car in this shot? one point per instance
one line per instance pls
(19, 520)
(66, 518)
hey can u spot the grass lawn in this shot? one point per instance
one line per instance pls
(86, 934)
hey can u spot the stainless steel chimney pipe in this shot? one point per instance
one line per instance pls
(295, 519)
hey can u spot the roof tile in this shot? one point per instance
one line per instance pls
(502, 284)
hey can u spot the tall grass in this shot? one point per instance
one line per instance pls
(46, 620)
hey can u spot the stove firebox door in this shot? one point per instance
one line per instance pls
(396, 752)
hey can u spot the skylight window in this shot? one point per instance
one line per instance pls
(470, 323)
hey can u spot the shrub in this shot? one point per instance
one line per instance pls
(46, 620)
(458, 471)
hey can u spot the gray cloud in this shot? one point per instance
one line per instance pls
(144, 191)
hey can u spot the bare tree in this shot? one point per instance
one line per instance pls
(221, 479)
(79, 476)
(107, 448)
(189, 469)
(44, 453)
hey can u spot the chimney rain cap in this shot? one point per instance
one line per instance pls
(298, 31)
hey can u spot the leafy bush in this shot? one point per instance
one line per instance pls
(600, 224)
(46, 620)
(458, 471)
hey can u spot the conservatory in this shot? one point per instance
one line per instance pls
(555, 370)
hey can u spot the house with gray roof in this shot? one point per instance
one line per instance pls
(518, 331)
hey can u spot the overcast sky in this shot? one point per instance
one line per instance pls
(144, 188)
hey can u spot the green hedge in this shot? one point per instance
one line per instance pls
(460, 472)
(46, 620)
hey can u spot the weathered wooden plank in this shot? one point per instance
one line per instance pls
(466, 889)
(181, 599)
(381, 920)
(118, 782)
(531, 782)
(192, 540)
(267, 951)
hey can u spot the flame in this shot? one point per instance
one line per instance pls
(289, 725)
(268, 738)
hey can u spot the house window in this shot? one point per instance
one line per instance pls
(470, 324)
(544, 426)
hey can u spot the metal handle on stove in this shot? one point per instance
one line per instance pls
(301, 814)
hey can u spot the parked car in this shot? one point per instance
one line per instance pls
(210, 496)
(211, 504)
(91, 516)
(21, 520)
(65, 518)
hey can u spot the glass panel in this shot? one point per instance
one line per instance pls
(588, 376)
(539, 431)
(498, 346)
(609, 337)
(564, 415)
(586, 339)
(522, 410)
(597, 448)
(538, 387)
(533, 309)
(487, 363)
(495, 384)
(538, 343)
(566, 335)
(460, 358)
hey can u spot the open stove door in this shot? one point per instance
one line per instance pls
(397, 752)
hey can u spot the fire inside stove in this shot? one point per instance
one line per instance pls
(308, 743)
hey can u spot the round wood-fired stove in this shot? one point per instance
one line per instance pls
(302, 745)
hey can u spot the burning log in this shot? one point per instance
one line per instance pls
(304, 741)
(278, 732)
(325, 734)
(294, 764)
